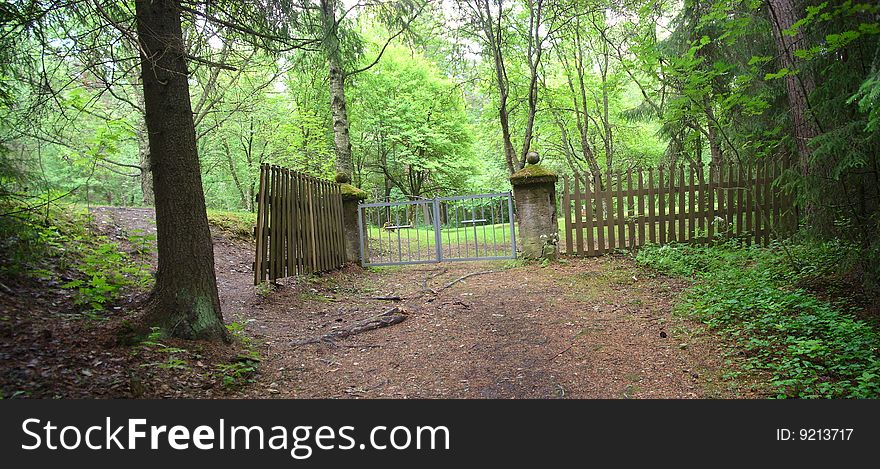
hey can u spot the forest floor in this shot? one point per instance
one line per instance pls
(578, 328)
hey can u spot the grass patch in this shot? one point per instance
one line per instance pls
(238, 224)
(811, 348)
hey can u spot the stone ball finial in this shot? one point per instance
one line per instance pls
(343, 178)
(532, 157)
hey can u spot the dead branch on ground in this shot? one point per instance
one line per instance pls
(390, 317)
(465, 277)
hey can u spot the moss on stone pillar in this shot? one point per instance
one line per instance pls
(351, 196)
(534, 190)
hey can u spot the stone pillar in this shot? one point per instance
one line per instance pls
(351, 196)
(534, 190)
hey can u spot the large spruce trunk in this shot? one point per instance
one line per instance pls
(184, 302)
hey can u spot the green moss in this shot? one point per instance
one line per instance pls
(238, 224)
(533, 174)
(350, 192)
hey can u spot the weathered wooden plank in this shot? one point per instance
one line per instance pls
(578, 218)
(273, 227)
(661, 212)
(288, 231)
(566, 210)
(296, 216)
(305, 259)
(651, 203)
(692, 203)
(323, 229)
(759, 202)
(767, 200)
(600, 214)
(720, 191)
(589, 223)
(260, 257)
(710, 204)
(279, 228)
(320, 242)
(641, 202)
(749, 184)
(701, 199)
(731, 196)
(621, 220)
(631, 217)
(682, 191)
(609, 213)
(672, 235)
(740, 210)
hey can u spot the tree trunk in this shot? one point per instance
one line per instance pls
(184, 303)
(714, 141)
(606, 115)
(493, 38)
(534, 58)
(341, 137)
(799, 84)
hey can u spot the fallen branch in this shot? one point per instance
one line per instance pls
(390, 317)
(387, 298)
(464, 277)
(425, 288)
(563, 351)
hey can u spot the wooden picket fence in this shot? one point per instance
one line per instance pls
(674, 204)
(299, 225)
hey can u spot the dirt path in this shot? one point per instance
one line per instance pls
(593, 328)
(581, 328)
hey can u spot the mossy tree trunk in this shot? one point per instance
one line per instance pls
(184, 302)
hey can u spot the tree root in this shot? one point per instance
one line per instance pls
(388, 318)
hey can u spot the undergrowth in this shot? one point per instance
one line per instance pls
(812, 348)
(242, 369)
(239, 224)
(58, 247)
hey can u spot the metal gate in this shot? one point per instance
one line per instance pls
(462, 228)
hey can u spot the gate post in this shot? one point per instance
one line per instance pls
(534, 190)
(351, 196)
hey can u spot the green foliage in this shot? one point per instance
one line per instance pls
(242, 368)
(105, 271)
(237, 373)
(264, 289)
(410, 124)
(811, 347)
(238, 224)
(47, 247)
(175, 359)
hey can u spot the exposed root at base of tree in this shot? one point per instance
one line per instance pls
(388, 318)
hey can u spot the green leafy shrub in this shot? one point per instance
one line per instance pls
(242, 369)
(812, 348)
(104, 270)
(56, 244)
